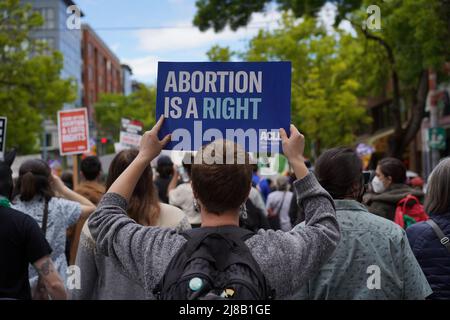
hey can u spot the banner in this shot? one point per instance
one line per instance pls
(246, 102)
(3, 123)
(130, 132)
(73, 131)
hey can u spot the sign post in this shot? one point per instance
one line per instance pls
(245, 102)
(437, 138)
(131, 132)
(3, 123)
(73, 132)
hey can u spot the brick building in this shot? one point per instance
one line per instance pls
(102, 71)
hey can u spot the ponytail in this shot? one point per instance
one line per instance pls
(33, 180)
(27, 186)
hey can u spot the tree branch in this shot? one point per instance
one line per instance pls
(417, 110)
(394, 77)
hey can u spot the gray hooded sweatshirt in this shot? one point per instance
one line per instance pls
(287, 259)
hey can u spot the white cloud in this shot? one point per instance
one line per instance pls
(327, 16)
(114, 47)
(187, 43)
(145, 68)
(184, 35)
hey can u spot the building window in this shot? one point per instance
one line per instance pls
(49, 44)
(108, 65)
(90, 73)
(48, 140)
(49, 18)
(90, 50)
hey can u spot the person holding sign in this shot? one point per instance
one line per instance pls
(287, 260)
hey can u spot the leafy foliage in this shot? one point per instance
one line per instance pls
(325, 104)
(110, 108)
(30, 84)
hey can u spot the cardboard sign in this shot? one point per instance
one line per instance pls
(3, 123)
(73, 131)
(246, 102)
(131, 132)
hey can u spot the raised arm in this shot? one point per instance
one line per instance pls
(290, 259)
(174, 181)
(87, 207)
(150, 147)
(132, 247)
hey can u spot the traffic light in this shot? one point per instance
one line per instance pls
(104, 140)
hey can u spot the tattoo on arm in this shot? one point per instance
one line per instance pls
(46, 267)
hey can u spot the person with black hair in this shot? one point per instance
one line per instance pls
(373, 259)
(90, 188)
(22, 243)
(164, 168)
(388, 188)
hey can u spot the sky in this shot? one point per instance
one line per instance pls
(143, 32)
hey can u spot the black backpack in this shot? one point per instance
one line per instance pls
(254, 219)
(214, 264)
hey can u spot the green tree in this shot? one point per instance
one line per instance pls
(220, 54)
(325, 104)
(415, 37)
(30, 85)
(140, 105)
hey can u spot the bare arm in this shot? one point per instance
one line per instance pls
(87, 207)
(150, 147)
(51, 278)
(174, 181)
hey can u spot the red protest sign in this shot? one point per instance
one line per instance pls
(73, 130)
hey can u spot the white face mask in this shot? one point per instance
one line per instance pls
(377, 185)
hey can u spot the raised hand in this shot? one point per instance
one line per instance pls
(293, 149)
(151, 146)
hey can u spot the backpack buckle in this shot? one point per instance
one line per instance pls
(445, 240)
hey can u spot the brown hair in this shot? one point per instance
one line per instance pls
(34, 179)
(143, 206)
(394, 168)
(437, 200)
(221, 184)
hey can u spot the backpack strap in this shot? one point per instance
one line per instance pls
(45, 217)
(404, 202)
(445, 241)
(195, 237)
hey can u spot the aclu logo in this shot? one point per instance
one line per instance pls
(270, 136)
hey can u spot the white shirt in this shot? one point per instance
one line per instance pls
(274, 202)
(183, 197)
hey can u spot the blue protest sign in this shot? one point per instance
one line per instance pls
(247, 102)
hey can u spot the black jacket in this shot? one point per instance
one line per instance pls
(432, 256)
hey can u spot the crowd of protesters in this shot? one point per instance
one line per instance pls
(322, 232)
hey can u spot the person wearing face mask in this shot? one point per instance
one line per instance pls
(388, 188)
(368, 243)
